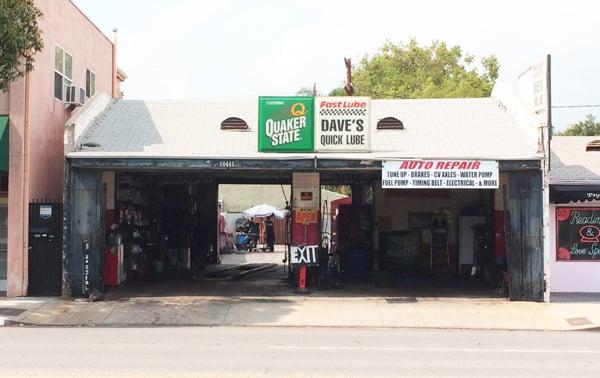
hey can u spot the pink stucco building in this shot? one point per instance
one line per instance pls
(77, 59)
(575, 215)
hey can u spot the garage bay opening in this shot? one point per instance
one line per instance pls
(202, 234)
(414, 243)
(185, 233)
(441, 242)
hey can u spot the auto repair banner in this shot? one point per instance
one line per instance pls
(342, 124)
(435, 174)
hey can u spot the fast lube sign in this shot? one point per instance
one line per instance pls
(342, 124)
(286, 124)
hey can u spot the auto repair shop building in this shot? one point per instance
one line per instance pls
(434, 175)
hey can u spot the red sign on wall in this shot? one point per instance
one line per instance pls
(306, 216)
(306, 188)
(306, 196)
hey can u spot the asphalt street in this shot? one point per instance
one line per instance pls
(264, 351)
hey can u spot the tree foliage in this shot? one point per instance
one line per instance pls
(20, 39)
(306, 91)
(413, 71)
(339, 91)
(587, 127)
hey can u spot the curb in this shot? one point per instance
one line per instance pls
(16, 323)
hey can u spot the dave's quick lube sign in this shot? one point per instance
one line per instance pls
(286, 124)
(342, 124)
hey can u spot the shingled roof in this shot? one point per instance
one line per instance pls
(571, 161)
(468, 128)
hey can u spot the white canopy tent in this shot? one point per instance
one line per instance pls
(264, 210)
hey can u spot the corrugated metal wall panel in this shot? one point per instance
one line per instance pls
(524, 235)
(86, 225)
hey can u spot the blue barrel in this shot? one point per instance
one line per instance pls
(355, 262)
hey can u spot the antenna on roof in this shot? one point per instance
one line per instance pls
(349, 88)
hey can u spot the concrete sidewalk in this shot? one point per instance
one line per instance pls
(305, 311)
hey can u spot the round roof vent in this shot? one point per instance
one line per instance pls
(390, 123)
(593, 145)
(234, 123)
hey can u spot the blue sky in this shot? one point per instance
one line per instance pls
(196, 49)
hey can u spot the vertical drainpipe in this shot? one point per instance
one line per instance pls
(25, 199)
(115, 85)
(547, 133)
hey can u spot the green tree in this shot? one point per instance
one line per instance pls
(339, 91)
(306, 91)
(20, 39)
(413, 71)
(587, 127)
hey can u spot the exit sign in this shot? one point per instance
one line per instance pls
(304, 255)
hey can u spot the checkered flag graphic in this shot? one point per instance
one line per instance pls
(343, 112)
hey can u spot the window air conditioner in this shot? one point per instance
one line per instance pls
(74, 97)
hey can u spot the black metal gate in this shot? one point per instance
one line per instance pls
(524, 234)
(45, 248)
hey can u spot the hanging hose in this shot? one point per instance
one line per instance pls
(286, 260)
(284, 195)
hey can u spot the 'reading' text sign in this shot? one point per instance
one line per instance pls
(436, 174)
(578, 234)
(342, 124)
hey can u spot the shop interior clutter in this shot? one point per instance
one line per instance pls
(160, 227)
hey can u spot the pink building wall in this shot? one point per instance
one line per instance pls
(16, 259)
(64, 25)
(4, 103)
(571, 276)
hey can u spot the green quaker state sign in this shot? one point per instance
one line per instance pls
(285, 124)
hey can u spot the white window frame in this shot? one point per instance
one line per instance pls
(92, 90)
(66, 81)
